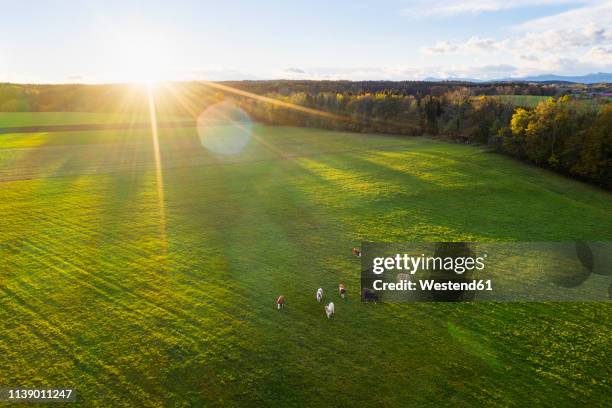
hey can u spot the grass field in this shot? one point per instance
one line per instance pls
(137, 304)
(16, 119)
(529, 101)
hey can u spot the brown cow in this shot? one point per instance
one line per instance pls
(356, 252)
(280, 302)
(341, 290)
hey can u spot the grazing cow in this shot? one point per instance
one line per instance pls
(341, 290)
(402, 277)
(329, 309)
(356, 252)
(319, 294)
(280, 302)
(369, 295)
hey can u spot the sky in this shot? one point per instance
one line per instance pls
(44, 41)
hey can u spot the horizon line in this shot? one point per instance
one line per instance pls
(425, 79)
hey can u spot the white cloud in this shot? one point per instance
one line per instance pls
(598, 12)
(476, 44)
(575, 41)
(531, 42)
(442, 47)
(473, 45)
(446, 8)
(599, 56)
(295, 70)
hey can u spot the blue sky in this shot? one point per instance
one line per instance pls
(110, 41)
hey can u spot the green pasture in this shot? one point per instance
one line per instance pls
(135, 301)
(529, 101)
(16, 119)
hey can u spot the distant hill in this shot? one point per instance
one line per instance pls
(455, 79)
(581, 79)
(594, 78)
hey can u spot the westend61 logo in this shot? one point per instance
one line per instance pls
(461, 271)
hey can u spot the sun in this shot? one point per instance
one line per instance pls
(143, 66)
(143, 59)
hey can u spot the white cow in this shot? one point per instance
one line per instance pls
(329, 309)
(319, 294)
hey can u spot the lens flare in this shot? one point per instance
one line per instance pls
(224, 128)
(159, 178)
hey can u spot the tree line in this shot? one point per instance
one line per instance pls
(110, 97)
(562, 134)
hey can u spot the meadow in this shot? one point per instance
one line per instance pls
(138, 301)
(17, 119)
(531, 101)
